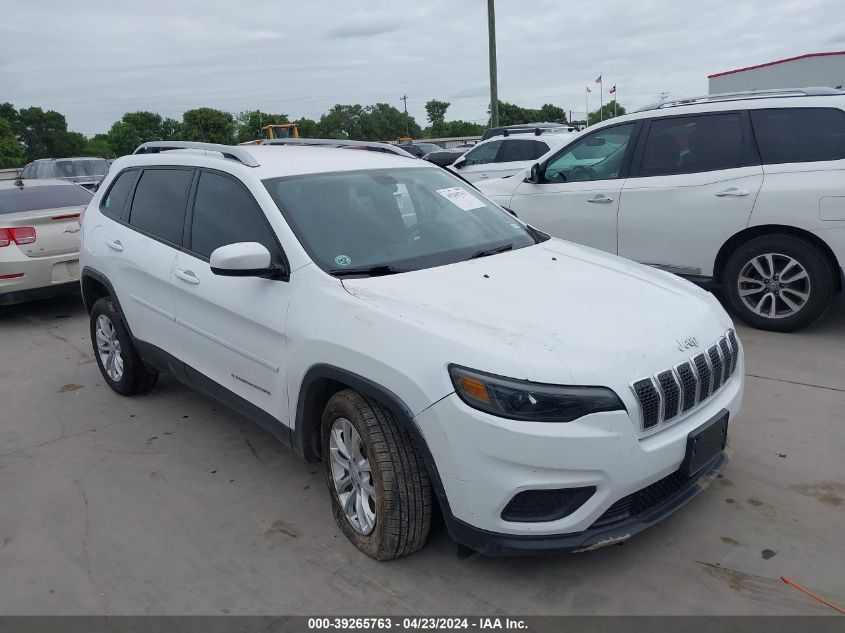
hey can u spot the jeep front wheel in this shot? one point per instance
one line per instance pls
(381, 495)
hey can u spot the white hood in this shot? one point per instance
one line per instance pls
(556, 312)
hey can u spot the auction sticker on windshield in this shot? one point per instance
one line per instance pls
(462, 198)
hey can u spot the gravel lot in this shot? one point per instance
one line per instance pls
(171, 504)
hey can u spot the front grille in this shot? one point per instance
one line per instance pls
(533, 506)
(644, 500)
(674, 392)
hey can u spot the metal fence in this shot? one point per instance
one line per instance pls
(10, 174)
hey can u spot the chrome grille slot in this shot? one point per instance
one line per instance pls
(671, 393)
(689, 386)
(705, 376)
(716, 365)
(674, 392)
(727, 356)
(649, 399)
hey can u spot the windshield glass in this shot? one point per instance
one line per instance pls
(79, 168)
(404, 219)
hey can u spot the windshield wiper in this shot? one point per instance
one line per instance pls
(375, 271)
(491, 251)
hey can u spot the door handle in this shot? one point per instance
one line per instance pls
(115, 245)
(600, 198)
(187, 276)
(733, 192)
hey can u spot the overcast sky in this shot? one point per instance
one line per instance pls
(95, 60)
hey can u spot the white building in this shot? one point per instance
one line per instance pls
(813, 69)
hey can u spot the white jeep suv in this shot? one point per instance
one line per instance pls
(743, 190)
(551, 396)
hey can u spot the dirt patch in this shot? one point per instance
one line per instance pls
(827, 492)
(70, 387)
(283, 528)
(727, 540)
(768, 553)
(766, 509)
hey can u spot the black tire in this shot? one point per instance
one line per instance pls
(821, 281)
(136, 377)
(398, 476)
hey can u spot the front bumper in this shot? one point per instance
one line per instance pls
(496, 544)
(484, 461)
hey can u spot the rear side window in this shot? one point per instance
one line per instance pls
(521, 150)
(684, 145)
(799, 135)
(158, 207)
(483, 154)
(114, 201)
(16, 200)
(225, 213)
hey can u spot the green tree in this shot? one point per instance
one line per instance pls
(98, 145)
(608, 111)
(462, 128)
(135, 128)
(209, 125)
(436, 114)
(69, 144)
(552, 114)
(342, 121)
(44, 134)
(249, 122)
(11, 152)
(308, 128)
(512, 114)
(171, 129)
(383, 122)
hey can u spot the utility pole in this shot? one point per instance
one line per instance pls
(407, 124)
(494, 89)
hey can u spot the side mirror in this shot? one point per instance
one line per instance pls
(242, 259)
(458, 164)
(534, 174)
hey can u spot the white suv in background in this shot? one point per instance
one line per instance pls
(743, 190)
(550, 396)
(506, 155)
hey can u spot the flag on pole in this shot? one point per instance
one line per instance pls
(598, 79)
(612, 90)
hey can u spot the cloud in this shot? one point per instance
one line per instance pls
(168, 57)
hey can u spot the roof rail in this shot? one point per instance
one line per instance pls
(337, 142)
(747, 94)
(228, 151)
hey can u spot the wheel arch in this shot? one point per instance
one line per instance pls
(320, 383)
(752, 232)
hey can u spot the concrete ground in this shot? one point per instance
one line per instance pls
(171, 504)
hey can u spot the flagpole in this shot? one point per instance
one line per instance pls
(601, 102)
(587, 105)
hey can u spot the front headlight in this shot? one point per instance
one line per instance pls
(530, 401)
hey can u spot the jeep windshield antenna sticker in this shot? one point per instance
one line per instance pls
(342, 260)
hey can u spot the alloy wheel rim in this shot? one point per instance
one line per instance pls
(108, 348)
(352, 476)
(774, 285)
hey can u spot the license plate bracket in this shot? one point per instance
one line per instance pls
(705, 443)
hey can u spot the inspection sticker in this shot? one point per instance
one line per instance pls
(462, 198)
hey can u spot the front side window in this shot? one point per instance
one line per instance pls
(158, 207)
(799, 135)
(225, 213)
(483, 154)
(405, 219)
(597, 156)
(521, 150)
(685, 145)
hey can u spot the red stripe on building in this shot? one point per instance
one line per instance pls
(779, 61)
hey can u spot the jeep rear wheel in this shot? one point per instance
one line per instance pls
(779, 282)
(381, 495)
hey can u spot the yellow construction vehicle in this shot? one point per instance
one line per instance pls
(284, 130)
(404, 139)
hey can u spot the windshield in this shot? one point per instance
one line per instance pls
(81, 168)
(402, 219)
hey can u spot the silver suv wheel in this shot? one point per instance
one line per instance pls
(774, 285)
(108, 347)
(352, 476)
